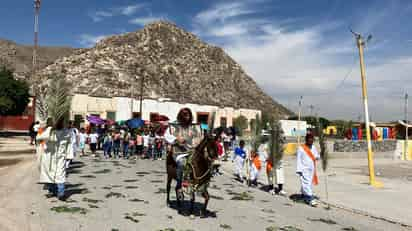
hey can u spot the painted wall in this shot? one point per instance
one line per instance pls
(19, 122)
(171, 109)
(85, 105)
(330, 130)
(293, 127)
(123, 107)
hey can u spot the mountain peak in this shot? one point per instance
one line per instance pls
(174, 63)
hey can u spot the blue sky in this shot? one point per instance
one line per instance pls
(291, 48)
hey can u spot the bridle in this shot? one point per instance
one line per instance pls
(204, 144)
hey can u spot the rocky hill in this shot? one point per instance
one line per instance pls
(174, 64)
(19, 57)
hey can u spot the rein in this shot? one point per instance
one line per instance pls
(200, 148)
(194, 173)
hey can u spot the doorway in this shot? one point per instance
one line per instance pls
(202, 117)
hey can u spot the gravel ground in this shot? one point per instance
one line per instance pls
(129, 195)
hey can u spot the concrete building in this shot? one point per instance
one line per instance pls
(83, 105)
(124, 108)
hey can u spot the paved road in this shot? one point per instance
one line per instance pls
(129, 195)
(348, 186)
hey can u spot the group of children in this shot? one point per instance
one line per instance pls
(121, 143)
(254, 164)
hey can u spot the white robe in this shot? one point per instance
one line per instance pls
(279, 170)
(39, 153)
(254, 172)
(73, 136)
(279, 173)
(53, 158)
(239, 162)
(306, 166)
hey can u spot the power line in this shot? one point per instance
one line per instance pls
(347, 74)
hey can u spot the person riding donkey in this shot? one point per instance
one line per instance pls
(182, 137)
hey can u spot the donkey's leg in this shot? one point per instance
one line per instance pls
(179, 196)
(168, 185)
(204, 210)
(192, 202)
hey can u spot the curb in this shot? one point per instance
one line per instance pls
(351, 210)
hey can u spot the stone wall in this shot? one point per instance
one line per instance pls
(362, 146)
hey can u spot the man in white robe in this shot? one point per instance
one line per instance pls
(307, 155)
(57, 145)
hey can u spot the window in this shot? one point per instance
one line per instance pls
(136, 114)
(111, 115)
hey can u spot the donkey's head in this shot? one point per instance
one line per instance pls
(211, 146)
(210, 139)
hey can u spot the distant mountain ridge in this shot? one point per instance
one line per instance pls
(20, 57)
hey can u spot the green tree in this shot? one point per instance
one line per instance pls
(14, 94)
(267, 119)
(240, 123)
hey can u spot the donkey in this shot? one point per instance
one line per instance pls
(200, 173)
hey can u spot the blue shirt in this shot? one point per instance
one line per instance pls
(240, 152)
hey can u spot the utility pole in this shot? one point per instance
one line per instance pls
(131, 104)
(361, 43)
(405, 153)
(311, 107)
(299, 115)
(37, 4)
(141, 95)
(132, 101)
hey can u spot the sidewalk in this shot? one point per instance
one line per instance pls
(348, 186)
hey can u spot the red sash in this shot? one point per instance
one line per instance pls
(39, 132)
(312, 157)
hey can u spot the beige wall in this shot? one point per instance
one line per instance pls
(248, 113)
(84, 104)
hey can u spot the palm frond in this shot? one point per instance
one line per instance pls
(256, 133)
(277, 140)
(323, 148)
(58, 99)
(41, 105)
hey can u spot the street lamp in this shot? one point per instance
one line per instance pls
(36, 33)
(142, 78)
(360, 42)
(141, 95)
